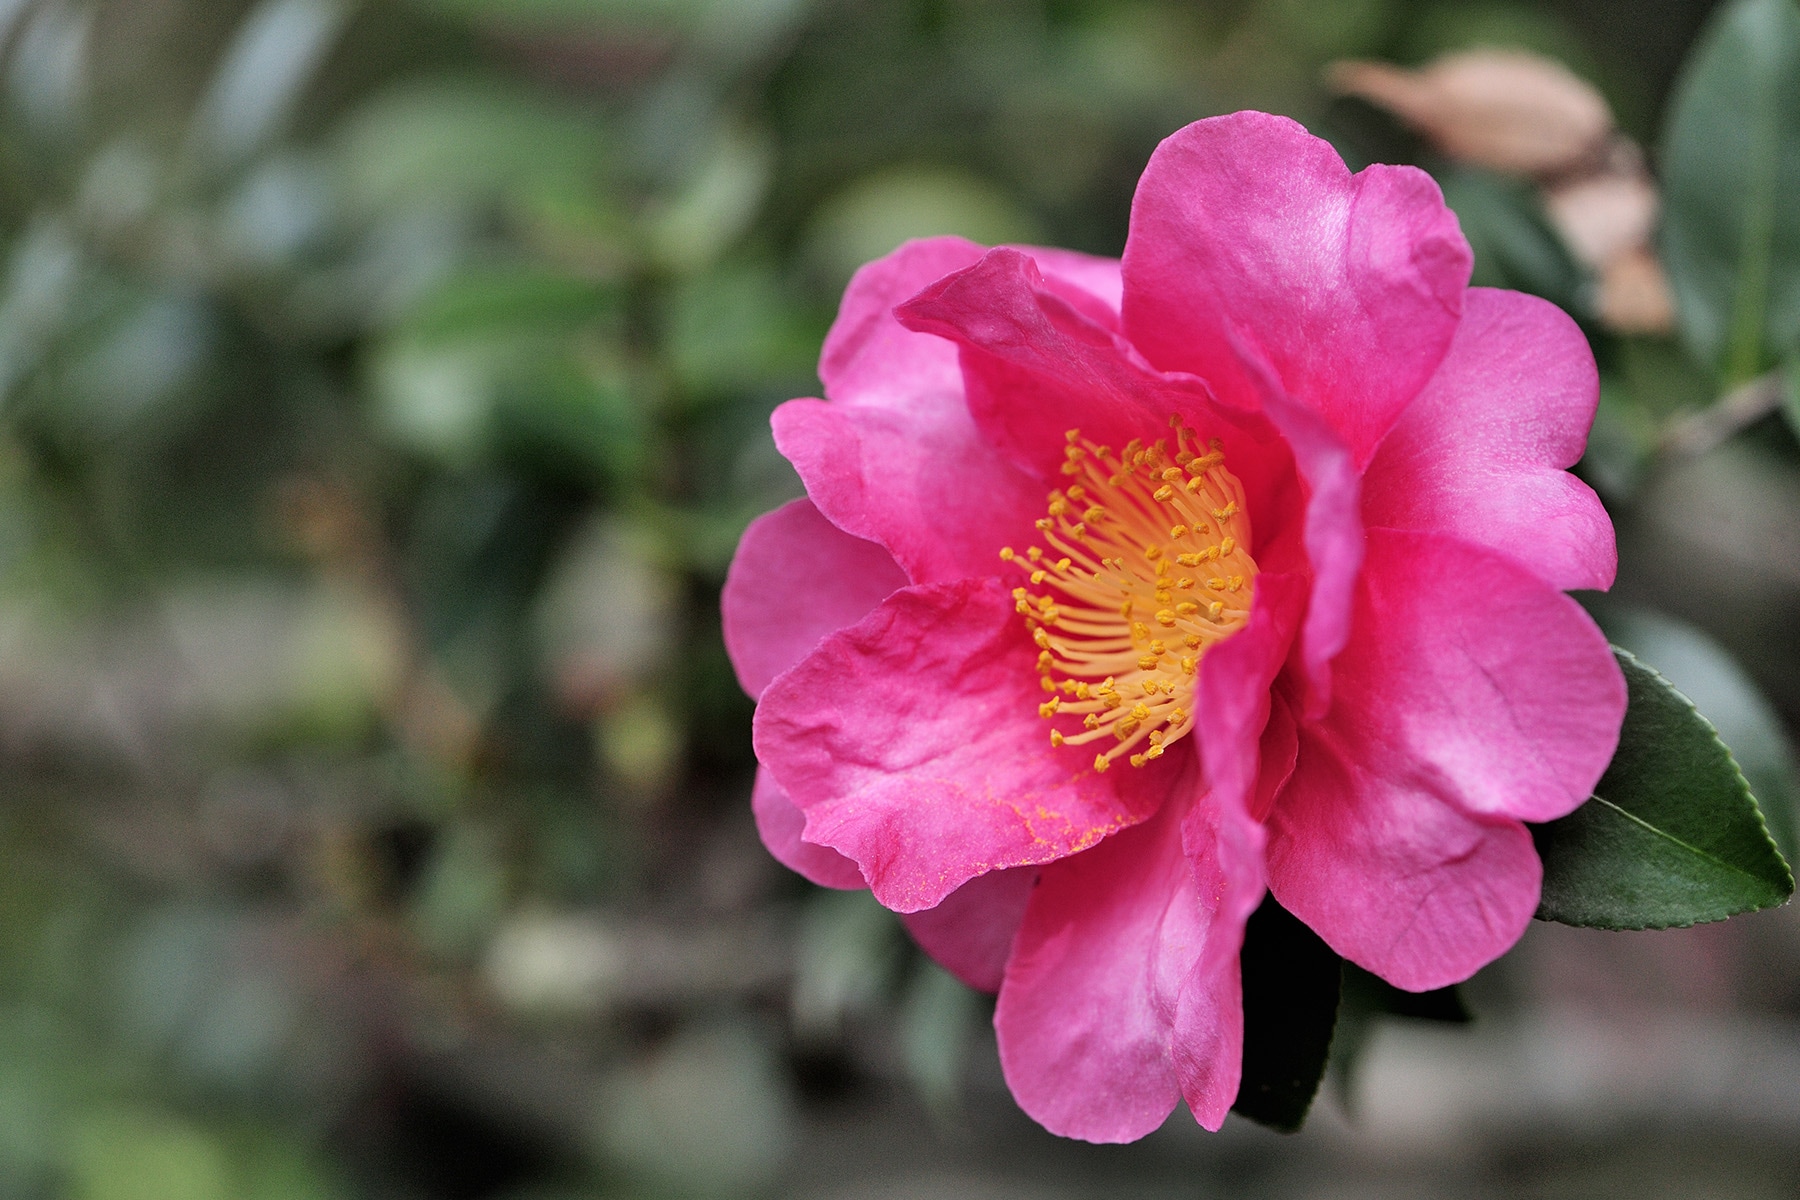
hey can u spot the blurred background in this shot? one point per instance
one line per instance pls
(383, 389)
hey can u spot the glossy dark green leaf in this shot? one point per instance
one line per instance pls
(1290, 1007)
(1672, 836)
(1705, 672)
(1731, 188)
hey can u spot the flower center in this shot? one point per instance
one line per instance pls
(1148, 567)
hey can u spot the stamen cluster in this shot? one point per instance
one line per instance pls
(1148, 566)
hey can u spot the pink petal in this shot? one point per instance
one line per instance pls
(971, 933)
(894, 457)
(1099, 278)
(1394, 878)
(1246, 230)
(1036, 365)
(780, 825)
(1332, 533)
(869, 359)
(796, 578)
(1481, 453)
(920, 483)
(913, 744)
(1472, 695)
(1091, 1016)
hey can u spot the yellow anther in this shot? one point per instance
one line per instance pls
(1178, 531)
(1171, 474)
(1041, 638)
(1187, 608)
(1193, 641)
(1044, 660)
(1058, 506)
(1137, 760)
(1063, 564)
(1165, 493)
(1047, 683)
(1081, 690)
(1157, 736)
(1183, 584)
(1124, 727)
(1019, 593)
(1188, 663)
(1226, 513)
(1078, 531)
(1048, 708)
(1125, 610)
(1112, 699)
(1177, 715)
(1101, 762)
(1093, 514)
(1140, 631)
(1216, 584)
(1157, 648)
(1215, 609)
(1035, 553)
(1071, 468)
(1196, 483)
(1228, 545)
(1044, 524)
(1139, 713)
(1155, 751)
(1006, 554)
(1189, 560)
(1164, 595)
(1038, 575)
(1077, 492)
(1056, 738)
(1072, 434)
(1165, 617)
(1153, 552)
(1147, 662)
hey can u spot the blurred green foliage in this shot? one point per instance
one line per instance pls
(383, 389)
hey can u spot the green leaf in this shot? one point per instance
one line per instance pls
(1731, 189)
(1746, 722)
(1290, 1007)
(1671, 837)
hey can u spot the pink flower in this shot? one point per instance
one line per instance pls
(1123, 591)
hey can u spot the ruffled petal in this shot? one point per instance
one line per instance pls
(1392, 877)
(780, 824)
(1071, 272)
(871, 360)
(1481, 453)
(1472, 696)
(1035, 365)
(1248, 232)
(1091, 1013)
(913, 744)
(971, 933)
(1331, 532)
(796, 578)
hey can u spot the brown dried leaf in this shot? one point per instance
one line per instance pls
(1603, 216)
(1505, 110)
(1634, 294)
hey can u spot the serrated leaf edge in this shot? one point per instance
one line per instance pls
(1622, 654)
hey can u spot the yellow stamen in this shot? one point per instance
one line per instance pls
(1140, 513)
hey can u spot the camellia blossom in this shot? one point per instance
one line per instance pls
(1124, 591)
